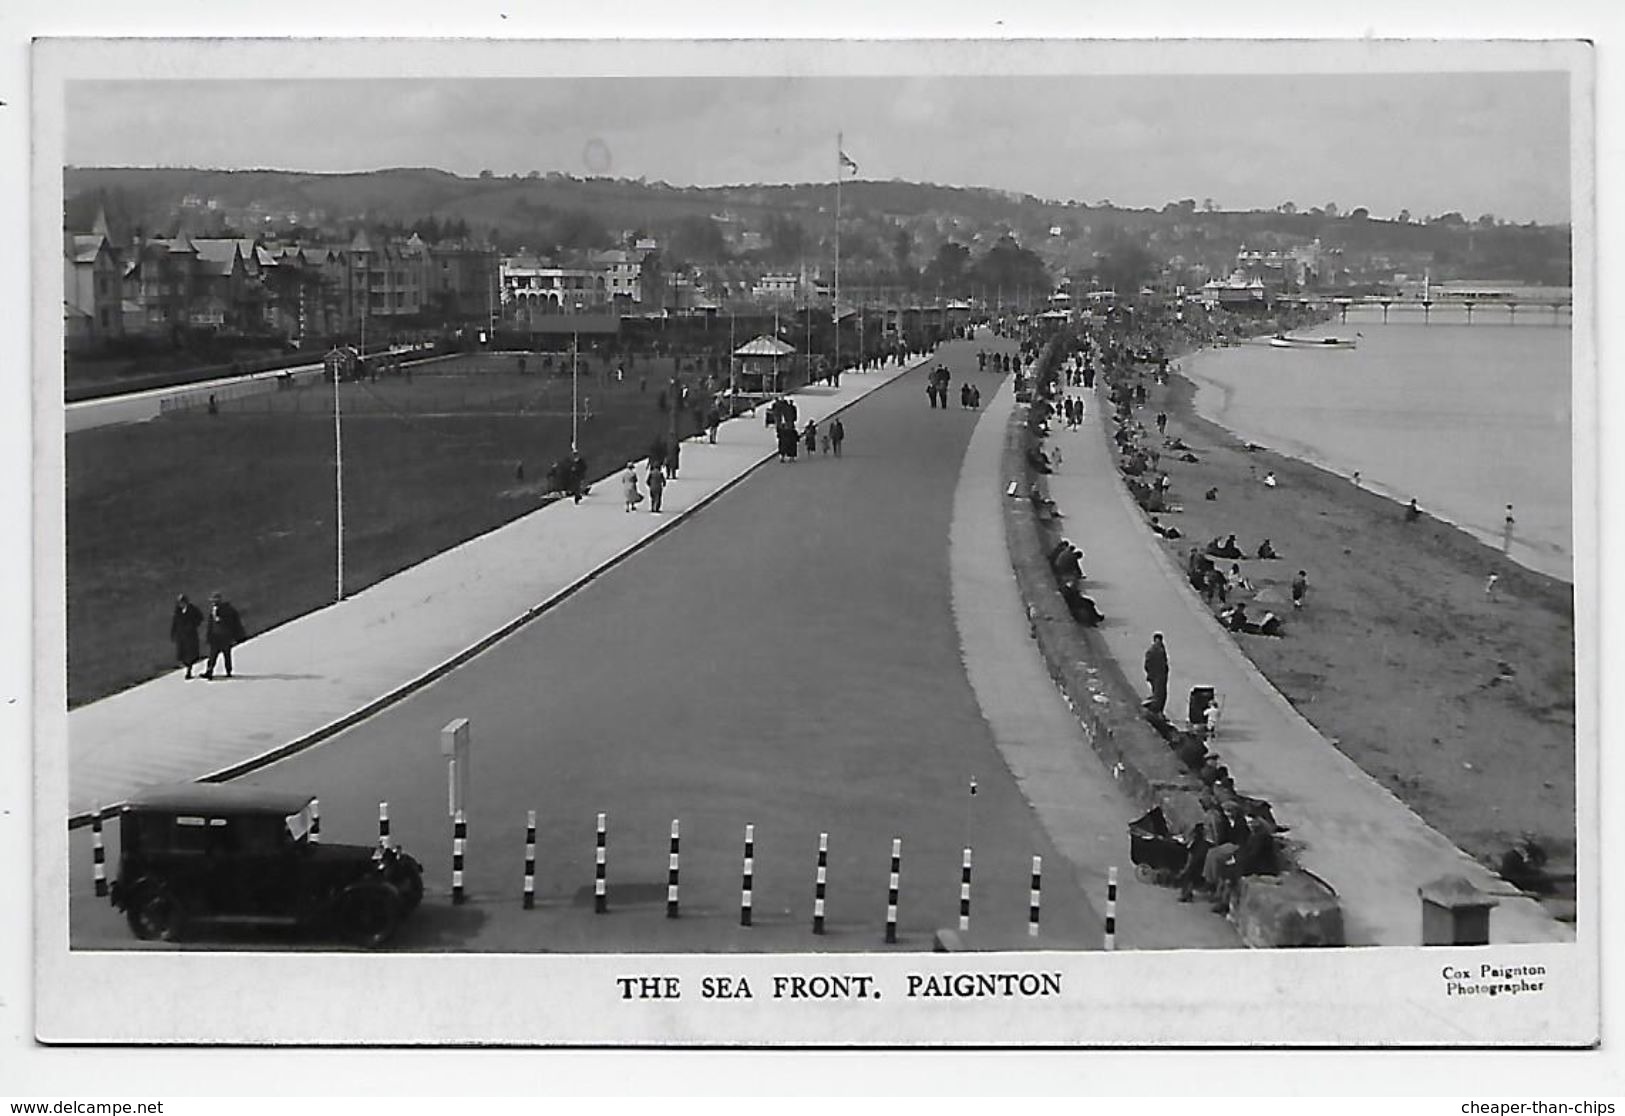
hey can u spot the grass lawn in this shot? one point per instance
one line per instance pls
(243, 501)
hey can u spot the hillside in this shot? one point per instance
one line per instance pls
(886, 226)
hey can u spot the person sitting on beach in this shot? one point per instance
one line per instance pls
(1269, 480)
(1412, 512)
(1165, 532)
(1238, 580)
(1266, 549)
(1270, 625)
(1234, 618)
(1211, 494)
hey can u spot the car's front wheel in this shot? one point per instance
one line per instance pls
(369, 913)
(155, 914)
(409, 885)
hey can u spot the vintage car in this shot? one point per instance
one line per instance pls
(203, 854)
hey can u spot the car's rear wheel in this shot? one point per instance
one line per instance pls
(155, 914)
(369, 914)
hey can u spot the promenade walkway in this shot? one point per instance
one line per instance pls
(1350, 830)
(1038, 735)
(305, 680)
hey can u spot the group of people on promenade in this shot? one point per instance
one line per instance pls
(223, 631)
(1003, 363)
(1236, 836)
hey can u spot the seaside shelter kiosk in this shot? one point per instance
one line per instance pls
(756, 364)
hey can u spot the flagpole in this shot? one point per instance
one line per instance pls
(840, 173)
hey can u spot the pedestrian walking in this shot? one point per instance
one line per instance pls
(964, 396)
(1506, 532)
(629, 487)
(1156, 674)
(837, 435)
(823, 442)
(183, 626)
(931, 391)
(576, 475)
(224, 631)
(1300, 588)
(975, 397)
(671, 460)
(657, 485)
(809, 437)
(1162, 422)
(713, 420)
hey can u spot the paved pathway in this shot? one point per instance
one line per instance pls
(1354, 833)
(332, 667)
(1080, 804)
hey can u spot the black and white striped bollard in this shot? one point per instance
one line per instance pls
(818, 886)
(891, 890)
(315, 821)
(749, 876)
(98, 853)
(383, 825)
(964, 892)
(1111, 909)
(459, 845)
(530, 859)
(600, 881)
(671, 874)
(1035, 897)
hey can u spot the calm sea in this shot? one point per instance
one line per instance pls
(1465, 418)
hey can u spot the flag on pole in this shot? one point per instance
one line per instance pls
(846, 161)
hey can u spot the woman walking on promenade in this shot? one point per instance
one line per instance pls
(183, 626)
(629, 487)
(809, 438)
(837, 435)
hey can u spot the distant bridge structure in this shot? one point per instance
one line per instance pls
(1469, 301)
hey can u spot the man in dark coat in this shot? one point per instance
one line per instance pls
(576, 478)
(1156, 674)
(183, 626)
(224, 632)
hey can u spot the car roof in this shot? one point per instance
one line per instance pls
(206, 797)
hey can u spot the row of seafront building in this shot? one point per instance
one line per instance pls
(134, 287)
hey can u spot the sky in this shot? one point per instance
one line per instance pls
(1431, 143)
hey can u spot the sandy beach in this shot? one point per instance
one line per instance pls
(1461, 701)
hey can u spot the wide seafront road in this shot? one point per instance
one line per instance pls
(785, 658)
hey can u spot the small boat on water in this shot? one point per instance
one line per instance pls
(1282, 341)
